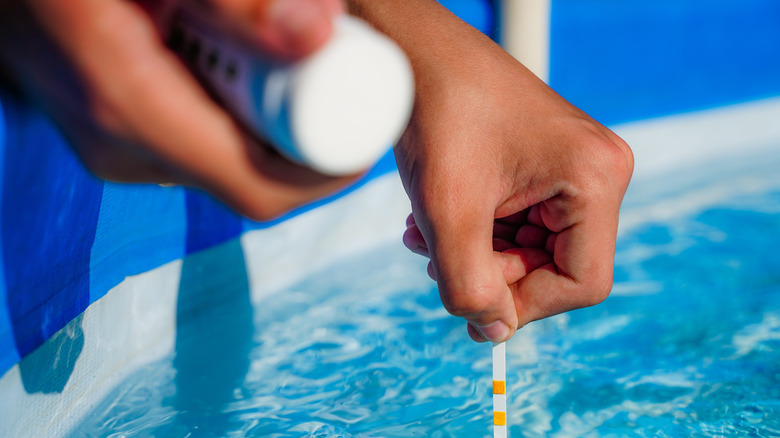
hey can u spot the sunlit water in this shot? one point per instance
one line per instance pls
(688, 344)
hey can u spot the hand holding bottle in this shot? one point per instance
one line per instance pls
(134, 112)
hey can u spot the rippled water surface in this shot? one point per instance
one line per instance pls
(688, 344)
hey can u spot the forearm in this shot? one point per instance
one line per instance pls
(435, 40)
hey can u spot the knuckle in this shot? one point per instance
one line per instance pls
(617, 159)
(628, 157)
(466, 301)
(620, 158)
(597, 290)
(611, 161)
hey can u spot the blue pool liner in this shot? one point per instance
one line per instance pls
(622, 61)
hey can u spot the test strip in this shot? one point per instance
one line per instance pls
(499, 390)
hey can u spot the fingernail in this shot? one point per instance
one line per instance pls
(495, 332)
(299, 21)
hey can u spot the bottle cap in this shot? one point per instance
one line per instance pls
(349, 101)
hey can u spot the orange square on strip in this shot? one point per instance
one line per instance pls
(499, 387)
(499, 418)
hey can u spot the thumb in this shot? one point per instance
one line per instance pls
(470, 278)
(286, 28)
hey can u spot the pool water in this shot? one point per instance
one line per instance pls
(688, 344)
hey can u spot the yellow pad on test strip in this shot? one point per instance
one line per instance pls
(499, 418)
(499, 387)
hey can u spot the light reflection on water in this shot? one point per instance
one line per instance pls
(688, 345)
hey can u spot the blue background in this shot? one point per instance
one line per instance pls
(629, 60)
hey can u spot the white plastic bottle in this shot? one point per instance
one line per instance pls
(337, 111)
